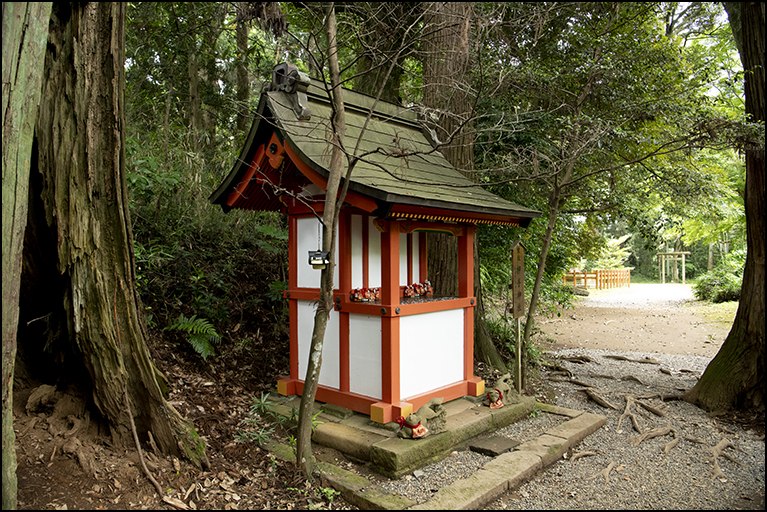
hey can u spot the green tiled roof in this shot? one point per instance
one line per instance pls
(399, 164)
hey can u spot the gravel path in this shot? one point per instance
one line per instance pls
(642, 476)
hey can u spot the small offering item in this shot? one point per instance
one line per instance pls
(365, 294)
(418, 289)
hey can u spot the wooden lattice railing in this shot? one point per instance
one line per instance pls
(599, 279)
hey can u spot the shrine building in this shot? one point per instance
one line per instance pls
(391, 345)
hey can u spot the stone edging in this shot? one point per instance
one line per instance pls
(506, 472)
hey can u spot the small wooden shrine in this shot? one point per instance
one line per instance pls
(390, 344)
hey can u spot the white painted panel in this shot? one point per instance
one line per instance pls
(365, 355)
(306, 240)
(431, 351)
(330, 372)
(374, 255)
(403, 259)
(356, 227)
(416, 259)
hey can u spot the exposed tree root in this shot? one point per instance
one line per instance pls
(572, 381)
(170, 501)
(671, 444)
(598, 399)
(646, 360)
(652, 409)
(605, 473)
(663, 396)
(627, 413)
(579, 359)
(656, 432)
(631, 377)
(584, 454)
(717, 451)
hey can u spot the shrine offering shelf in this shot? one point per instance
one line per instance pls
(407, 305)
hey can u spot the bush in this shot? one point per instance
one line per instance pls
(723, 283)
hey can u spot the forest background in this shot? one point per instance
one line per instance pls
(623, 124)
(193, 81)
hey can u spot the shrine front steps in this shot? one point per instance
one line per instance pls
(367, 441)
(363, 440)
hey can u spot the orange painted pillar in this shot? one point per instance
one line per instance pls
(466, 289)
(390, 378)
(345, 285)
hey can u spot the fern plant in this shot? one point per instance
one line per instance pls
(200, 334)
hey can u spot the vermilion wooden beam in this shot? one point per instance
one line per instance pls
(390, 352)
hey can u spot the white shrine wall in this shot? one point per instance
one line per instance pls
(430, 351)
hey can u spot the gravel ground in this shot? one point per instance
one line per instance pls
(421, 485)
(643, 477)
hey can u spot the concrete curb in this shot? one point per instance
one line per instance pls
(510, 470)
(506, 472)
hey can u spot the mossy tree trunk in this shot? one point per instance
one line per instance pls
(734, 379)
(25, 31)
(83, 198)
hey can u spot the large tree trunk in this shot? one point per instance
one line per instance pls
(735, 377)
(82, 192)
(381, 38)
(25, 30)
(446, 67)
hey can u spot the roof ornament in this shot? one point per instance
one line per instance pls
(287, 78)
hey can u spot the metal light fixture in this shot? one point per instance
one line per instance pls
(319, 259)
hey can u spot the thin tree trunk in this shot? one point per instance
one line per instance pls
(195, 112)
(243, 87)
(331, 208)
(81, 161)
(25, 31)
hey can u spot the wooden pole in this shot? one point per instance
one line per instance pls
(520, 348)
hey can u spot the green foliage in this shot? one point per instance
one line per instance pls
(200, 334)
(613, 256)
(255, 430)
(255, 433)
(724, 282)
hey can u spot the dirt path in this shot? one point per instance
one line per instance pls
(661, 318)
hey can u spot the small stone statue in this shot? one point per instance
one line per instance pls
(430, 418)
(502, 393)
(411, 427)
(494, 399)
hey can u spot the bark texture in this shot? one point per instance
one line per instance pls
(25, 31)
(735, 377)
(331, 210)
(448, 96)
(82, 194)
